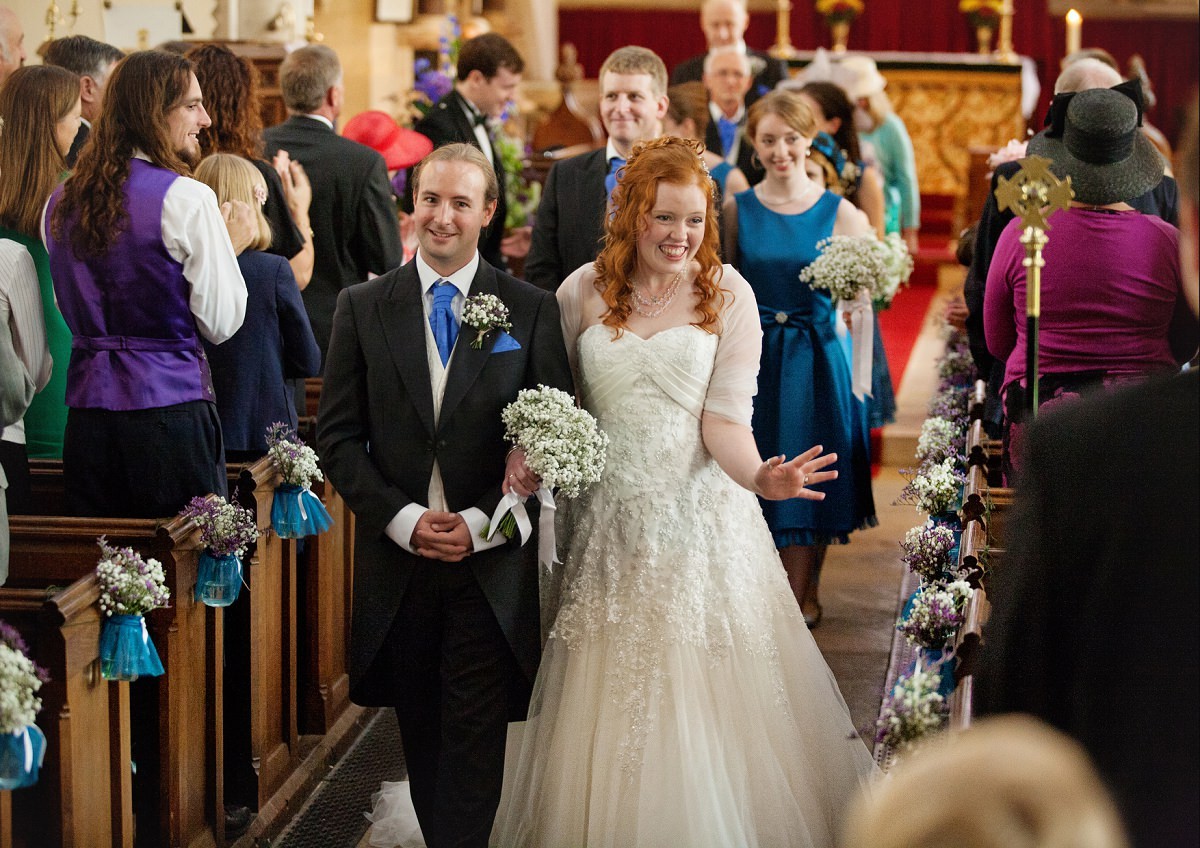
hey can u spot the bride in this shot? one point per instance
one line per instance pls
(680, 699)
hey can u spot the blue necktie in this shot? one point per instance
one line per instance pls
(610, 182)
(442, 320)
(727, 130)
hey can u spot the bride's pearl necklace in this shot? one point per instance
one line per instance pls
(649, 306)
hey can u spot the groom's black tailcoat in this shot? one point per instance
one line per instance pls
(378, 443)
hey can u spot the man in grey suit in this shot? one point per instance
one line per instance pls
(356, 231)
(446, 624)
(570, 219)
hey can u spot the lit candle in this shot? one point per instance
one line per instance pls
(1074, 31)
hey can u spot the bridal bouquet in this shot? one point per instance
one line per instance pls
(936, 613)
(563, 445)
(927, 550)
(130, 587)
(295, 511)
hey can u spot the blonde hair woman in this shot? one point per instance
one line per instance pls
(252, 371)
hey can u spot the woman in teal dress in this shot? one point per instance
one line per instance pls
(40, 109)
(804, 387)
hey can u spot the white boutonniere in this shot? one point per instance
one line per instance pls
(484, 313)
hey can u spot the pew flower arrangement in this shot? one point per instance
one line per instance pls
(936, 613)
(935, 487)
(295, 511)
(950, 403)
(941, 438)
(956, 367)
(130, 587)
(226, 530)
(913, 709)
(927, 550)
(22, 744)
(563, 445)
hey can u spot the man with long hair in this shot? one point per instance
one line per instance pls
(144, 265)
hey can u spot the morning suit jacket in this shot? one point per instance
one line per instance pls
(253, 370)
(77, 144)
(356, 231)
(774, 71)
(378, 443)
(1094, 624)
(569, 229)
(447, 123)
(745, 160)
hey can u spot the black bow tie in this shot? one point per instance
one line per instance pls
(479, 119)
(1056, 117)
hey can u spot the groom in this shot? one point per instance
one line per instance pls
(445, 625)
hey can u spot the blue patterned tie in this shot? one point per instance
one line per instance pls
(442, 320)
(610, 182)
(727, 130)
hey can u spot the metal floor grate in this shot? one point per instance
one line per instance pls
(333, 816)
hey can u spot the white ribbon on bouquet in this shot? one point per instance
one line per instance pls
(514, 503)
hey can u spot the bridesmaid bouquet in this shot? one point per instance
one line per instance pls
(130, 587)
(295, 511)
(563, 445)
(22, 745)
(847, 265)
(898, 263)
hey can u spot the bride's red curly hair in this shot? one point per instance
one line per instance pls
(672, 160)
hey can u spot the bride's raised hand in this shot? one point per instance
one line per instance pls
(778, 478)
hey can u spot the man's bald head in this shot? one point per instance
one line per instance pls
(12, 43)
(724, 22)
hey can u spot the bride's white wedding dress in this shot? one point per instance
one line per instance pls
(681, 701)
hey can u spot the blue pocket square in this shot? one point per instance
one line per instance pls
(505, 342)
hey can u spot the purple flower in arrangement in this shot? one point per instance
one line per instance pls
(225, 528)
(129, 584)
(927, 550)
(432, 83)
(937, 611)
(912, 710)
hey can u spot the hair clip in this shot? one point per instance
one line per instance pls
(260, 194)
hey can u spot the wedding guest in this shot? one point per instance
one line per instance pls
(144, 265)
(233, 108)
(1010, 782)
(12, 42)
(92, 61)
(1094, 624)
(354, 225)
(1112, 307)
(688, 117)
(724, 23)
(882, 128)
(727, 78)
(680, 699)
(805, 392)
(570, 221)
(253, 371)
(40, 109)
(16, 386)
(488, 73)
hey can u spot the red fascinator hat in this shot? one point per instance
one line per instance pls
(400, 147)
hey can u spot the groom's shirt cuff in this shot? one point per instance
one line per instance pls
(400, 528)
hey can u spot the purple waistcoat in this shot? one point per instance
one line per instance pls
(135, 342)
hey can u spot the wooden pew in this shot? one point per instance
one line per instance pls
(83, 794)
(177, 718)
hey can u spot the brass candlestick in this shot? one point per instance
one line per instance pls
(783, 49)
(1004, 41)
(1033, 194)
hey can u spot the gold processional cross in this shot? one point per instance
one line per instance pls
(1033, 194)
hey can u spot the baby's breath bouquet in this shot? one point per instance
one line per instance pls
(927, 550)
(226, 530)
(898, 265)
(912, 710)
(484, 313)
(295, 511)
(22, 745)
(846, 266)
(940, 439)
(130, 587)
(563, 445)
(937, 611)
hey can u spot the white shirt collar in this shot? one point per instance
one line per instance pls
(610, 152)
(461, 278)
(739, 46)
(717, 112)
(320, 118)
